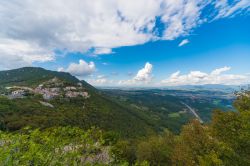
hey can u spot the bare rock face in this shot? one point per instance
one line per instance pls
(103, 156)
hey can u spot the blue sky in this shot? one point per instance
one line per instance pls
(138, 47)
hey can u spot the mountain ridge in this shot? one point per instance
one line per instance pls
(97, 110)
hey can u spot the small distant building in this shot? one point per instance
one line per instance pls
(47, 96)
(72, 94)
(69, 88)
(17, 94)
(54, 89)
(85, 94)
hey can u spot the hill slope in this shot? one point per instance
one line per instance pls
(30, 76)
(33, 110)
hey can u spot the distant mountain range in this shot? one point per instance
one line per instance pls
(228, 88)
(210, 87)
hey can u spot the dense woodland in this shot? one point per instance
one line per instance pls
(107, 132)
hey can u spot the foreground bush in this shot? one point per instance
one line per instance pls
(54, 146)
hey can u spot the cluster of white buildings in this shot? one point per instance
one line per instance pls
(69, 91)
(47, 93)
(50, 92)
(17, 94)
(72, 94)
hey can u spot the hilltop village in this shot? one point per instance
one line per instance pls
(48, 90)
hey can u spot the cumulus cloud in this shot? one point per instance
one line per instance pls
(217, 76)
(80, 69)
(143, 76)
(183, 42)
(100, 26)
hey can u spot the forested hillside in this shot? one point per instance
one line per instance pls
(224, 141)
(32, 76)
(56, 103)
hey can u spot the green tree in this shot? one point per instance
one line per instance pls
(156, 150)
(196, 146)
(233, 128)
(124, 151)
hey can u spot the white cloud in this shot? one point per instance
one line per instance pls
(16, 53)
(101, 76)
(80, 69)
(100, 25)
(101, 80)
(99, 51)
(183, 42)
(181, 16)
(226, 8)
(220, 70)
(143, 76)
(60, 69)
(217, 76)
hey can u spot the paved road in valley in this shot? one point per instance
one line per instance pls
(193, 112)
